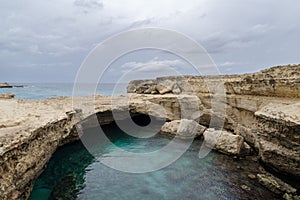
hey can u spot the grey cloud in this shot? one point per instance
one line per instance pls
(240, 35)
(89, 3)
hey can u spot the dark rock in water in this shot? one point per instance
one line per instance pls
(59, 192)
(5, 85)
(251, 176)
(245, 187)
(291, 197)
(275, 185)
(18, 86)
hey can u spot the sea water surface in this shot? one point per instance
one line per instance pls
(52, 90)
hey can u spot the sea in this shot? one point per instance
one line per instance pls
(73, 173)
(52, 90)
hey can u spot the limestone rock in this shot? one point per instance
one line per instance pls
(176, 89)
(140, 86)
(7, 96)
(275, 184)
(223, 141)
(278, 133)
(165, 86)
(263, 108)
(183, 128)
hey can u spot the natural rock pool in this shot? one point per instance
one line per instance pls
(73, 173)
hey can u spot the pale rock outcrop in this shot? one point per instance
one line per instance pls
(223, 141)
(141, 86)
(183, 128)
(7, 96)
(165, 86)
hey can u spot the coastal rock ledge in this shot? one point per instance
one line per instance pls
(262, 113)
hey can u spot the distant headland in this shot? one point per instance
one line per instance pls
(6, 85)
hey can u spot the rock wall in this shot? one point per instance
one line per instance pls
(31, 131)
(263, 107)
(22, 162)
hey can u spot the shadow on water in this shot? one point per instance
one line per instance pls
(73, 173)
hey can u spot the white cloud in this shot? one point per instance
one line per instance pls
(152, 65)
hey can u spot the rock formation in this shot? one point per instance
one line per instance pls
(183, 128)
(223, 141)
(5, 85)
(262, 110)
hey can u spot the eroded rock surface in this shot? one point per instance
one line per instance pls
(223, 141)
(261, 109)
(183, 128)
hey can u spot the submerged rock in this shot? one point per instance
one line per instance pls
(275, 185)
(245, 187)
(183, 128)
(223, 141)
(70, 182)
(287, 196)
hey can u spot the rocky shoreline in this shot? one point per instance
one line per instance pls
(262, 115)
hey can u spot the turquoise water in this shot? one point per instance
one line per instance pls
(52, 90)
(73, 173)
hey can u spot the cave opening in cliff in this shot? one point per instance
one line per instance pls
(141, 120)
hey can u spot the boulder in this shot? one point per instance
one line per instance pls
(165, 86)
(223, 141)
(151, 90)
(183, 128)
(140, 86)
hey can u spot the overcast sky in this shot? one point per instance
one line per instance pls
(46, 41)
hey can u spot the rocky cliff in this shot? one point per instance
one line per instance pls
(30, 132)
(262, 108)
